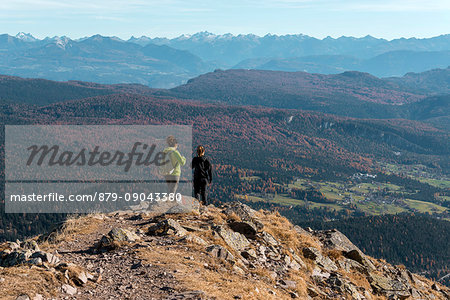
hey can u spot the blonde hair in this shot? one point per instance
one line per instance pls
(171, 141)
(200, 150)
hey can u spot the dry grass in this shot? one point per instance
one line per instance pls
(214, 215)
(429, 283)
(299, 278)
(358, 279)
(333, 253)
(72, 228)
(264, 273)
(233, 217)
(284, 231)
(34, 280)
(215, 278)
(25, 280)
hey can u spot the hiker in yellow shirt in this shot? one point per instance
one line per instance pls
(177, 160)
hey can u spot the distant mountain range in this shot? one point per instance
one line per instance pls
(230, 49)
(98, 58)
(163, 63)
(393, 63)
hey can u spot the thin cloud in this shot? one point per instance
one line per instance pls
(191, 9)
(82, 5)
(395, 6)
(356, 5)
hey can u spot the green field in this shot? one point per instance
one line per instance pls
(418, 172)
(440, 183)
(337, 191)
(286, 200)
(358, 194)
(422, 206)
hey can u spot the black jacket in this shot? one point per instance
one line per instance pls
(202, 168)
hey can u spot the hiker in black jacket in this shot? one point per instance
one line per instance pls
(202, 174)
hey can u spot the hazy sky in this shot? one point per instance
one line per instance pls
(319, 18)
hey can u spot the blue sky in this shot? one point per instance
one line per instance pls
(319, 18)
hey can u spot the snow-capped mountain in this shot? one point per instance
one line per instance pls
(26, 37)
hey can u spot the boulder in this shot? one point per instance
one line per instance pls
(80, 278)
(297, 259)
(122, 235)
(327, 264)
(78, 275)
(180, 209)
(233, 239)
(244, 212)
(380, 283)
(30, 245)
(335, 281)
(238, 270)
(334, 239)
(13, 245)
(359, 257)
(288, 284)
(167, 227)
(190, 238)
(68, 289)
(300, 230)
(351, 289)
(294, 265)
(116, 237)
(318, 275)
(315, 292)
(37, 261)
(220, 252)
(46, 257)
(249, 253)
(407, 276)
(16, 257)
(402, 295)
(311, 253)
(246, 228)
(349, 264)
(269, 239)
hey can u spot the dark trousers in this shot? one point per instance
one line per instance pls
(172, 183)
(200, 190)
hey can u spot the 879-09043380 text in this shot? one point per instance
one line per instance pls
(101, 197)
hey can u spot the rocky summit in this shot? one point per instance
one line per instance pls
(227, 252)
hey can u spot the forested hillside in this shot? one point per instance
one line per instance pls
(352, 94)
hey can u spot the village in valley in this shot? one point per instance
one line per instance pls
(362, 192)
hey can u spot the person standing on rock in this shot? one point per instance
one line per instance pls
(176, 160)
(202, 175)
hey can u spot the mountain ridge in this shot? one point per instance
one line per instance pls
(260, 254)
(166, 63)
(388, 64)
(296, 90)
